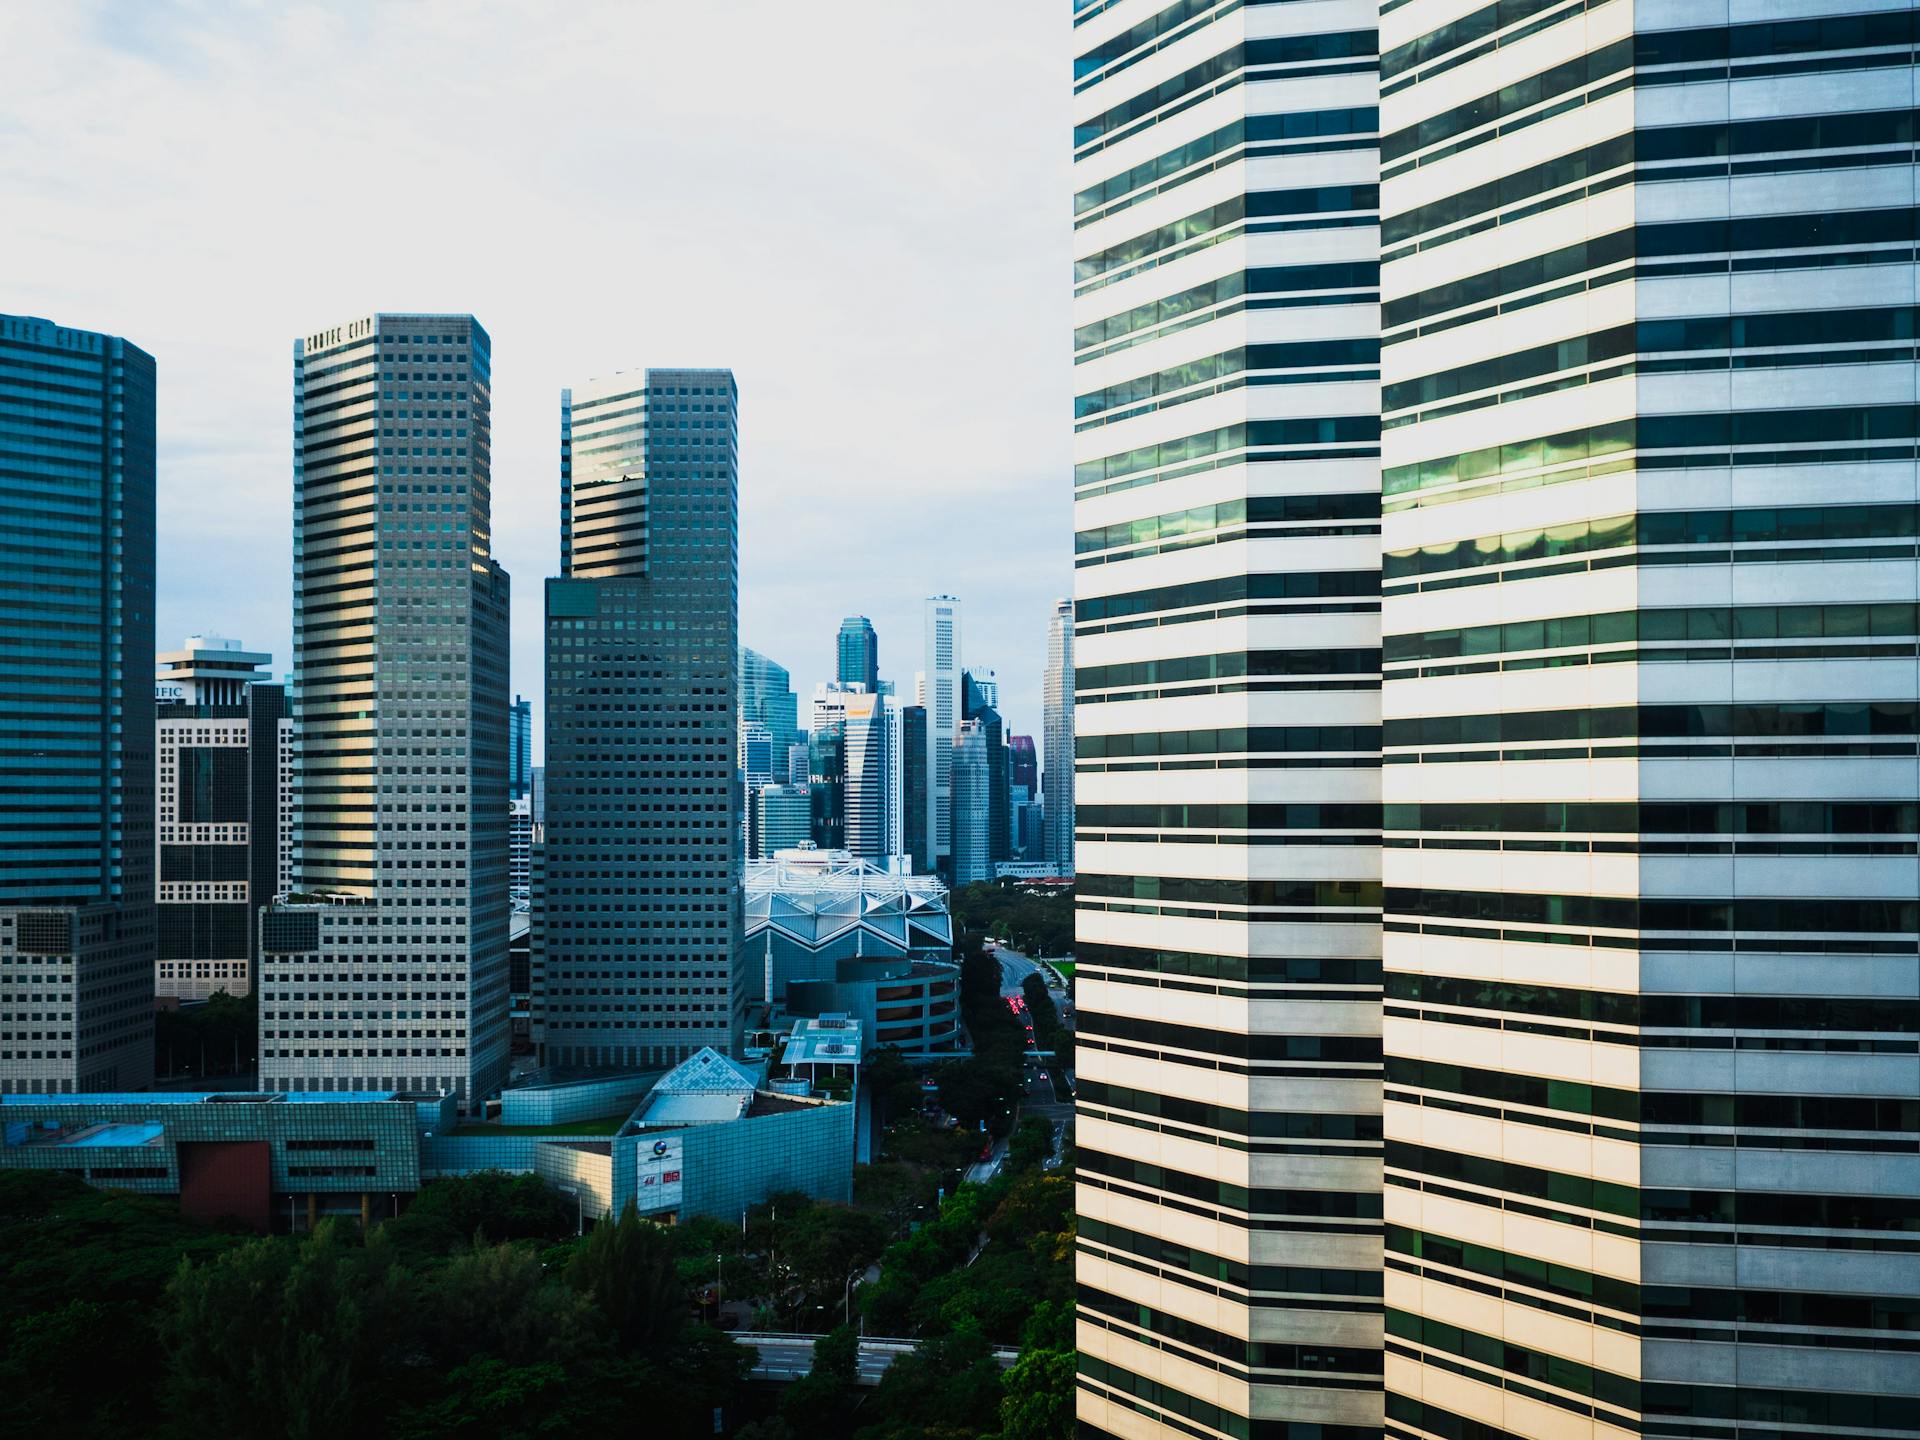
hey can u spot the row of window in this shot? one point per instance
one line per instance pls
(1295, 1279)
(1319, 1204)
(1256, 1124)
(1200, 1412)
(1231, 817)
(1357, 430)
(1233, 663)
(1681, 817)
(1286, 585)
(1255, 969)
(1248, 205)
(1319, 894)
(1236, 1044)
(1302, 355)
(1782, 524)
(1241, 740)
(1662, 1012)
(1762, 913)
(1720, 623)
(1299, 125)
(1261, 1354)
(1277, 50)
(1355, 281)
(1888, 325)
(1472, 28)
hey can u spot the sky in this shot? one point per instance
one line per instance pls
(861, 206)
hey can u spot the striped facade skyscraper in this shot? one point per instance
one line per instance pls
(77, 914)
(941, 697)
(1650, 483)
(641, 859)
(1227, 654)
(387, 966)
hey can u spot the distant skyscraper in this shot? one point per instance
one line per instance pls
(859, 653)
(641, 847)
(972, 805)
(1023, 763)
(520, 749)
(799, 762)
(76, 709)
(219, 801)
(756, 755)
(866, 775)
(767, 697)
(783, 819)
(894, 773)
(914, 809)
(520, 851)
(1057, 735)
(979, 694)
(537, 793)
(939, 688)
(389, 967)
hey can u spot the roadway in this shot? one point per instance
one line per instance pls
(788, 1357)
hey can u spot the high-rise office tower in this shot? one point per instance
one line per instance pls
(218, 802)
(915, 839)
(799, 762)
(939, 692)
(866, 772)
(76, 713)
(972, 808)
(1056, 704)
(850, 746)
(857, 650)
(767, 697)
(641, 851)
(1023, 784)
(1023, 763)
(783, 819)
(1227, 659)
(893, 778)
(827, 777)
(979, 698)
(1649, 474)
(388, 965)
(756, 754)
(520, 749)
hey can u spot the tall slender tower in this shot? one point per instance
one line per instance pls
(1650, 482)
(940, 694)
(520, 749)
(1056, 703)
(388, 965)
(641, 859)
(77, 938)
(1227, 661)
(857, 651)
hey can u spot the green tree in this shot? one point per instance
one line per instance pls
(282, 1339)
(1038, 1403)
(447, 1214)
(627, 1269)
(818, 1405)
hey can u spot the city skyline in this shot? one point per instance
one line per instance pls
(848, 438)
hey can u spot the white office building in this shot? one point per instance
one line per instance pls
(938, 689)
(1226, 660)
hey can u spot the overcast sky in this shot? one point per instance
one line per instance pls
(859, 205)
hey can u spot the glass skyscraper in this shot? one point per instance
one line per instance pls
(767, 698)
(387, 966)
(1056, 716)
(641, 857)
(520, 749)
(77, 936)
(857, 651)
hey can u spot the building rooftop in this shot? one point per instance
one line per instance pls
(704, 1089)
(215, 1097)
(814, 897)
